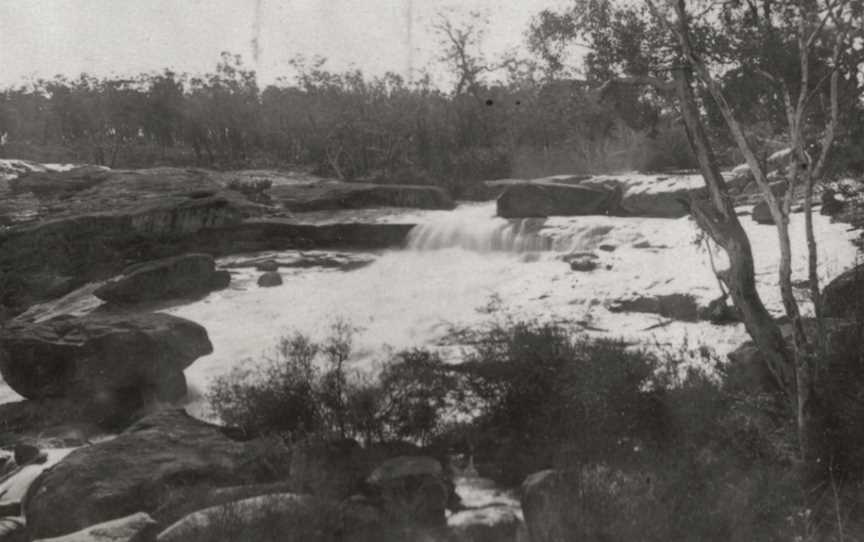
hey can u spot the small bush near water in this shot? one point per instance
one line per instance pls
(652, 453)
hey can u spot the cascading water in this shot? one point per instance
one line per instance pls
(476, 228)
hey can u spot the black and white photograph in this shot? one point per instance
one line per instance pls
(431, 270)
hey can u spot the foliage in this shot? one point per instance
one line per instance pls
(305, 388)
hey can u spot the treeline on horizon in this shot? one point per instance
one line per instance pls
(344, 125)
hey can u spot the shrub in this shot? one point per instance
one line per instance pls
(552, 400)
(304, 387)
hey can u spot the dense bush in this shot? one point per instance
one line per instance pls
(305, 388)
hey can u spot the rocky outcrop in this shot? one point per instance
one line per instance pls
(167, 453)
(138, 527)
(117, 362)
(187, 275)
(338, 195)
(60, 183)
(843, 297)
(535, 199)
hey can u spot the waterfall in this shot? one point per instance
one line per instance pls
(476, 228)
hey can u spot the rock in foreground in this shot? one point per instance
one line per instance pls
(164, 454)
(102, 359)
(138, 527)
(843, 297)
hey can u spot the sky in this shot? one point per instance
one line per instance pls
(41, 38)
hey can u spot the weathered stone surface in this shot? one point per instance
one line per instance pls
(179, 276)
(337, 195)
(138, 527)
(843, 297)
(165, 453)
(263, 518)
(535, 199)
(489, 524)
(102, 358)
(270, 279)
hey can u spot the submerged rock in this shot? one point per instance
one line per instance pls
(102, 359)
(168, 278)
(167, 453)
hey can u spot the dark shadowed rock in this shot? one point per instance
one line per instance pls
(412, 490)
(138, 527)
(761, 214)
(338, 195)
(179, 276)
(270, 279)
(268, 266)
(59, 421)
(165, 453)
(331, 469)
(584, 264)
(102, 359)
(677, 306)
(534, 199)
(843, 297)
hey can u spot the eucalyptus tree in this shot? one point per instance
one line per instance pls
(804, 57)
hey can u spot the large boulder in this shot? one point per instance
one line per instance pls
(270, 279)
(332, 469)
(161, 455)
(103, 359)
(338, 195)
(411, 490)
(541, 199)
(843, 297)
(494, 523)
(761, 214)
(266, 518)
(180, 276)
(138, 527)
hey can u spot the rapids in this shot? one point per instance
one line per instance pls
(467, 268)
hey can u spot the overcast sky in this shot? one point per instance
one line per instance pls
(41, 38)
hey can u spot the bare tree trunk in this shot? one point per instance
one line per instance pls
(716, 216)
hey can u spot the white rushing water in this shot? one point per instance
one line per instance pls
(468, 268)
